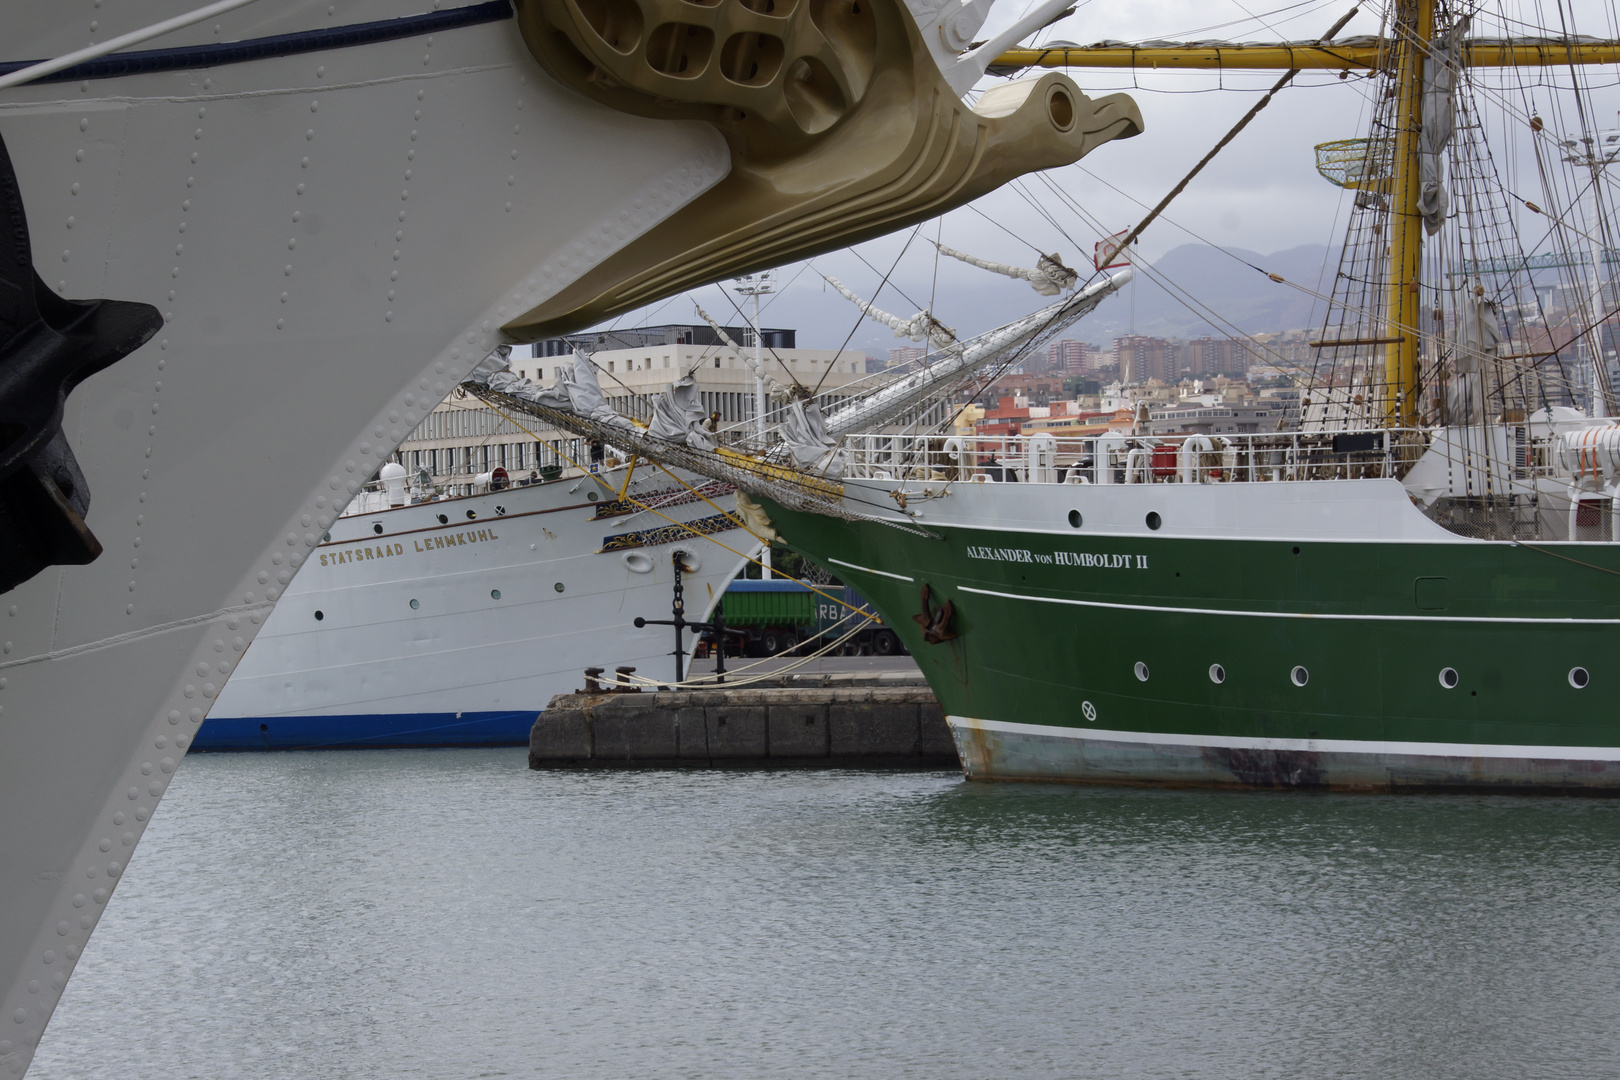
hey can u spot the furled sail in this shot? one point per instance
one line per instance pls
(920, 327)
(576, 390)
(1478, 335)
(1439, 81)
(772, 387)
(1049, 277)
(882, 406)
(812, 449)
(678, 415)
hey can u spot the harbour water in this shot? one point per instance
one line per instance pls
(450, 914)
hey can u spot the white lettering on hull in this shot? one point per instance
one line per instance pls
(1083, 559)
(358, 553)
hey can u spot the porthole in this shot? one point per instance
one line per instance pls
(591, 496)
(1299, 675)
(1154, 520)
(494, 594)
(415, 604)
(1217, 674)
(319, 615)
(377, 528)
(443, 520)
(1141, 671)
(1449, 678)
(1074, 519)
(1296, 551)
(326, 538)
(1578, 678)
(472, 515)
(558, 586)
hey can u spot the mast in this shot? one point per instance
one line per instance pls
(1406, 49)
(1404, 298)
(1355, 54)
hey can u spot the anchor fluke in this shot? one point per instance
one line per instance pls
(48, 346)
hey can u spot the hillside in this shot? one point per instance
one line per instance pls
(1248, 299)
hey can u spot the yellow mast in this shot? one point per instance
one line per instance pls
(1306, 56)
(1415, 28)
(1401, 309)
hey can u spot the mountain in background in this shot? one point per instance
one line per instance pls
(1244, 297)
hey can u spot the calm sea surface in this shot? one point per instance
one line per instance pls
(450, 914)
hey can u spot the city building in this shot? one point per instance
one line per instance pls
(1039, 389)
(1142, 358)
(1215, 356)
(1220, 418)
(645, 337)
(905, 356)
(1071, 358)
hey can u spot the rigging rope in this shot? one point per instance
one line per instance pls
(1287, 78)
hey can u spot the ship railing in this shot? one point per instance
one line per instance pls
(1124, 458)
(459, 482)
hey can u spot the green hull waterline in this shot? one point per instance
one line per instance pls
(1208, 662)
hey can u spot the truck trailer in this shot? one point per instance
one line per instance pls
(776, 616)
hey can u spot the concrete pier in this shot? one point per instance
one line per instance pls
(823, 726)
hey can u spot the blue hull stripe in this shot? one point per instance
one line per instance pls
(376, 730)
(192, 57)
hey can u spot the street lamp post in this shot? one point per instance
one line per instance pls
(755, 286)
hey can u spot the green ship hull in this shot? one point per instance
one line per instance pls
(1199, 660)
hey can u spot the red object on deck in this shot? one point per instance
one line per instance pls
(1164, 461)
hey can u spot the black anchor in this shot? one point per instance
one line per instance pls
(48, 346)
(936, 624)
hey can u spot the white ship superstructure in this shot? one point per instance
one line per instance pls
(454, 622)
(336, 209)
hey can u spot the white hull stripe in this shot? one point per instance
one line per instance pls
(194, 57)
(869, 570)
(1325, 746)
(1344, 617)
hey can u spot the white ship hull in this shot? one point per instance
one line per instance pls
(454, 623)
(334, 240)
(335, 206)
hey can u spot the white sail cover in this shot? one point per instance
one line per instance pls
(496, 361)
(576, 389)
(805, 434)
(1478, 336)
(1439, 80)
(1049, 277)
(678, 415)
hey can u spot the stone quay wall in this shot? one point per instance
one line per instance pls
(854, 727)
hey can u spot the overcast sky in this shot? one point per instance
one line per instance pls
(1262, 194)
